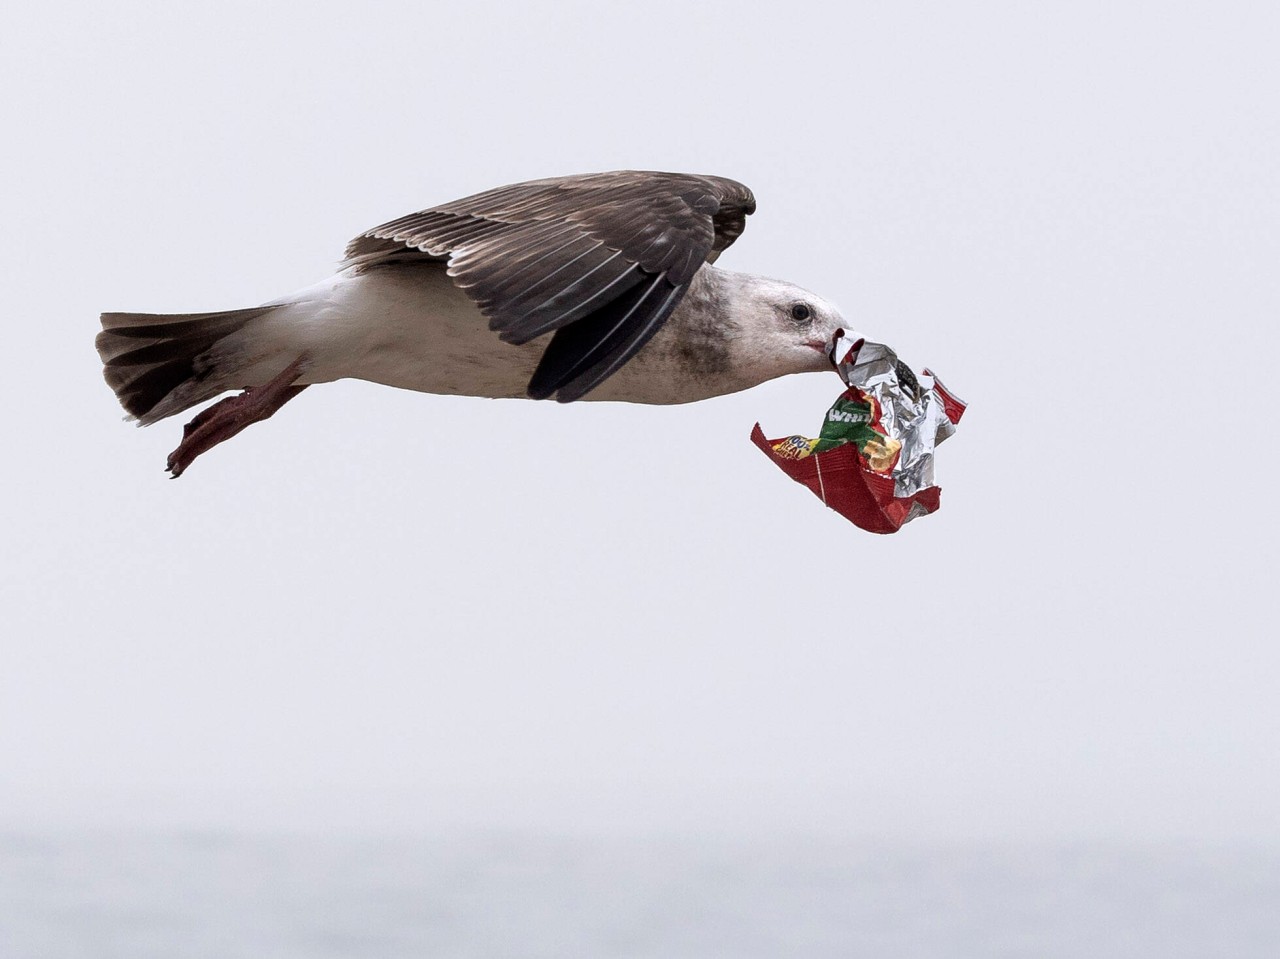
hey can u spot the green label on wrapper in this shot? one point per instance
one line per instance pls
(848, 421)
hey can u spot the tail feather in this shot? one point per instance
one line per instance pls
(149, 358)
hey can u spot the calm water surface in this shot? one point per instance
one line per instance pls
(136, 897)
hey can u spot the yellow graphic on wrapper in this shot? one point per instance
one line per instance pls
(880, 454)
(794, 447)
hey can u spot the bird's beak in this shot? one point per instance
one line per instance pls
(841, 355)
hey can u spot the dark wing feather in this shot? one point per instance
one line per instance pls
(602, 259)
(581, 356)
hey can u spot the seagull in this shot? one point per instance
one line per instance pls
(590, 287)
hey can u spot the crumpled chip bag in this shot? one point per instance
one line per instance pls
(872, 462)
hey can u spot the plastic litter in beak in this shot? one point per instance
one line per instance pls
(873, 459)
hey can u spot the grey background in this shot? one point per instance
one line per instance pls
(393, 612)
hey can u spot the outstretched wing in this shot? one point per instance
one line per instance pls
(602, 259)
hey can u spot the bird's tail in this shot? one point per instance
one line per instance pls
(160, 364)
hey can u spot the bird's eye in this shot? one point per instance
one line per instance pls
(801, 312)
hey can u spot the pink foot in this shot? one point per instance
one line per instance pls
(226, 418)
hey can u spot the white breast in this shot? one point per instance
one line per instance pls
(412, 328)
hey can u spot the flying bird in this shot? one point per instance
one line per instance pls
(597, 287)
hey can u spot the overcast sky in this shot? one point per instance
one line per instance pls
(384, 610)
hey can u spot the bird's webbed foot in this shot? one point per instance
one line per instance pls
(229, 416)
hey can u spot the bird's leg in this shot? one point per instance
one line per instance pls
(226, 418)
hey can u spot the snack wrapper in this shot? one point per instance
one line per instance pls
(872, 461)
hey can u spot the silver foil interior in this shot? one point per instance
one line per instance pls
(910, 412)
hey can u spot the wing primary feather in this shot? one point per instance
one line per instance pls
(572, 342)
(547, 278)
(602, 341)
(502, 288)
(635, 341)
(551, 300)
(630, 277)
(607, 326)
(556, 314)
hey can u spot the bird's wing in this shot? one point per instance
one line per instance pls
(602, 259)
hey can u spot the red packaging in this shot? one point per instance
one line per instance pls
(843, 478)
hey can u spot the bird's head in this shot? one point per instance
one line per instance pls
(786, 329)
